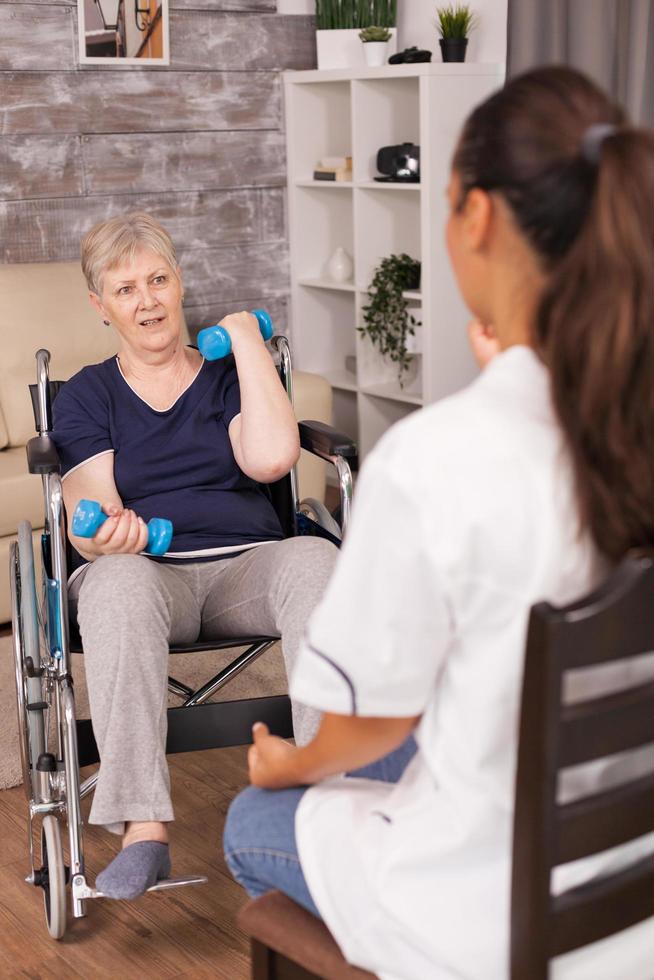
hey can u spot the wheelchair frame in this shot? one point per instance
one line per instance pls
(44, 684)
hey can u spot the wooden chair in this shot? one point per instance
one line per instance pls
(610, 625)
(288, 943)
(613, 623)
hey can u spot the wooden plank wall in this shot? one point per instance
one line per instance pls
(198, 143)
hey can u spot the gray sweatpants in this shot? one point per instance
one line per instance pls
(130, 608)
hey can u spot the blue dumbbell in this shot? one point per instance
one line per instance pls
(88, 517)
(215, 342)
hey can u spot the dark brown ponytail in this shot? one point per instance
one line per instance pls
(588, 212)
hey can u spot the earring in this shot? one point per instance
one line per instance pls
(106, 323)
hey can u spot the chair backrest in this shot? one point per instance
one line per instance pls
(613, 623)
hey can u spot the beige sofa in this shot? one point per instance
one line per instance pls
(46, 305)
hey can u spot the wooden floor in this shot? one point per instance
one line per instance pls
(188, 932)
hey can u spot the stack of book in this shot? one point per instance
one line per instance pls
(333, 168)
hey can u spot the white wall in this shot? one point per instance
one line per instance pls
(416, 26)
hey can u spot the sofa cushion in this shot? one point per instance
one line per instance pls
(44, 305)
(312, 397)
(22, 492)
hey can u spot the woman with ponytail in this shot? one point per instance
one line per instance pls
(526, 486)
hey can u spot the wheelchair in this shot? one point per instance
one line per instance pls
(54, 744)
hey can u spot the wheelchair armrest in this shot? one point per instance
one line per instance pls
(322, 440)
(42, 455)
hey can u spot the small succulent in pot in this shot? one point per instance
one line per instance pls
(375, 35)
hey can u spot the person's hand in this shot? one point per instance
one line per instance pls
(123, 533)
(243, 328)
(270, 760)
(483, 341)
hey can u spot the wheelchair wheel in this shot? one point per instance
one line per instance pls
(29, 685)
(317, 511)
(53, 877)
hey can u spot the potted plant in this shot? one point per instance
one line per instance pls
(454, 25)
(375, 43)
(338, 23)
(387, 320)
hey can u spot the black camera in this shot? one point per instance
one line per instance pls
(399, 164)
(409, 56)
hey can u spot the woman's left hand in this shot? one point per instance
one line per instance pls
(270, 760)
(483, 341)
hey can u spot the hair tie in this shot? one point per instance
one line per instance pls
(592, 140)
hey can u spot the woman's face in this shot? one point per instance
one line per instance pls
(142, 298)
(463, 259)
(467, 238)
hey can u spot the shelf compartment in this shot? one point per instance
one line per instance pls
(343, 380)
(320, 126)
(322, 329)
(326, 223)
(376, 415)
(378, 375)
(345, 414)
(386, 224)
(387, 111)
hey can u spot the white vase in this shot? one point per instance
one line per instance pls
(414, 340)
(343, 49)
(340, 266)
(375, 53)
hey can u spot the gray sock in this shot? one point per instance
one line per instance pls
(134, 870)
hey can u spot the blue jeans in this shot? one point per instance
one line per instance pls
(259, 840)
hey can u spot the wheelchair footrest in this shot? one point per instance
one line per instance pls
(83, 891)
(166, 883)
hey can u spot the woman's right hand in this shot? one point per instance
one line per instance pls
(123, 533)
(483, 341)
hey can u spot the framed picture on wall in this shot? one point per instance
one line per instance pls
(123, 32)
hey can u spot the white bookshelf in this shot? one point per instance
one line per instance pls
(354, 113)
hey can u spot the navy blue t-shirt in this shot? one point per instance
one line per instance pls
(176, 463)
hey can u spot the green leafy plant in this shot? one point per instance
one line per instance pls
(379, 34)
(455, 21)
(348, 14)
(387, 320)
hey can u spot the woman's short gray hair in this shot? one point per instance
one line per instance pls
(110, 242)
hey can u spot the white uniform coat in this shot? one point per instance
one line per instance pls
(464, 517)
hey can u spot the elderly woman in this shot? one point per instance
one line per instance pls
(159, 431)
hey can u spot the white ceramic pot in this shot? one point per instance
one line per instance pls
(375, 53)
(340, 266)
(344, 49)
(414, 340)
